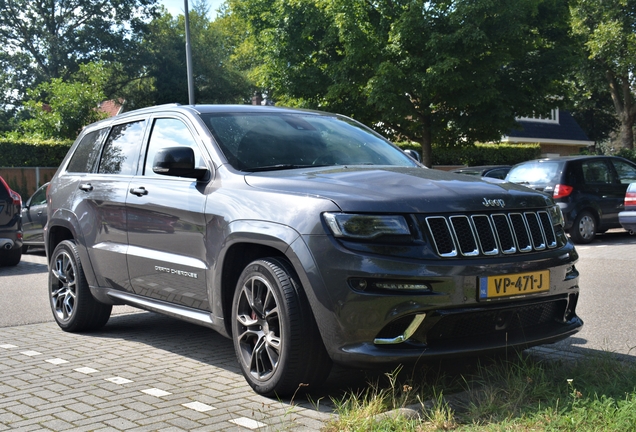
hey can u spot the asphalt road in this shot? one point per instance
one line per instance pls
(607, 302)
(24, 295)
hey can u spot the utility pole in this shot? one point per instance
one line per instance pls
(188, 55)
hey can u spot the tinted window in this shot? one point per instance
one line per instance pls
(39, 197)
(596, 172)
(87, 152)
(122, 148)
(260, 141)
(536, 173)
(626, 172)
(168, 132)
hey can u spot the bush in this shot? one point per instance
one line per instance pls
(32, 152)
(479, 154)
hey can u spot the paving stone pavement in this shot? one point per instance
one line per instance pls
(142, 372)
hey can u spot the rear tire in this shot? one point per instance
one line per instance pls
(11, 257)
(74, 307)
(584, 228)
(275, 335)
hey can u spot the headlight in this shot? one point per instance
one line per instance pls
(556, 215)
(365, 227)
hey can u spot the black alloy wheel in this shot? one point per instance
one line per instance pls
(274, 332)
(74, 308)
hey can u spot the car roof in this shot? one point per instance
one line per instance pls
(207, 109)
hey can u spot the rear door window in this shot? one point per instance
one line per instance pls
(596, 172)
(121, 151)
(85, 158)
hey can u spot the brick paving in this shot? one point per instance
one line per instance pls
(142, 372)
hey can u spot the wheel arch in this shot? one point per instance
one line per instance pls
(63, 226)
(247, 242)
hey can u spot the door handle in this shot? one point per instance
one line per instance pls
(140, 191)
(86, 187)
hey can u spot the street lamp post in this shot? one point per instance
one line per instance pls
(188, 55)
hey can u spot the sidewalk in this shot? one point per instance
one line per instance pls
(142, 372)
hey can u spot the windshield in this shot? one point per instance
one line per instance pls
(536, 173)
(266, 141)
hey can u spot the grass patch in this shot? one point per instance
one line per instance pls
(519, 392)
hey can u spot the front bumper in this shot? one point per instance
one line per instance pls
(370, 327)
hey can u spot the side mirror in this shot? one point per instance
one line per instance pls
(177, 162)
(413, 154)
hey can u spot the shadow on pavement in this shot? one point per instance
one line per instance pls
(206, 346)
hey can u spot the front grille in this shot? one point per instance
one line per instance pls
(489, 235)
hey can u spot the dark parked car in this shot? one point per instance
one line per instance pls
(627, 217)
(493, 171)
(590, 190)
(305, 237)
(10, 225)
(34, 219)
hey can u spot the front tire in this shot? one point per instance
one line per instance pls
(74, 307)
(275, 335)
(584, 228)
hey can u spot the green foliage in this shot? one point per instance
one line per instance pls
(427, 71)
(31, 152)
(162, 74)
(47, 39)
(480, 154)
(60, 109)
(605, 30)
(520, 393)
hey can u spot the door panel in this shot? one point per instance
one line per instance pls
(166, 226)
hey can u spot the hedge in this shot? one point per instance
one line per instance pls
(49, 153)
(479, 154)
(32, 153)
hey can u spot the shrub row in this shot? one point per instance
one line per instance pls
(49, 153)
(32, 153)
(480, 154)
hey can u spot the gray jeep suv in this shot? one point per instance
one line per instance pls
(304, 237)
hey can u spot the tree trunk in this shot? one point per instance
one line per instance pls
(625, 107)
(427, 148)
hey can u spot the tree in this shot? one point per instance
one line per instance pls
(607, 31)
(48, 39)
(60, 109)
(162, 75)
(444, 71)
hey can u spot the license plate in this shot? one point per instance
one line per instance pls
(514, 284)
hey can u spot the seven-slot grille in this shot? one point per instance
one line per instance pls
(491, 234)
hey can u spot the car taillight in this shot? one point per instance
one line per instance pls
(630, 199)
(17, 199)
(561, 191)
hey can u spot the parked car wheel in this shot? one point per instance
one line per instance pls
(274, 332)
(74, 308)
(584, 228)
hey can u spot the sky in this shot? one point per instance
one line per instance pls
(175, 7)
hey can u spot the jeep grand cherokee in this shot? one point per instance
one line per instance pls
(304, 237)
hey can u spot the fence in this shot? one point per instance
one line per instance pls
(26, 180)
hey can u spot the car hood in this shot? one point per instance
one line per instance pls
(399, 189)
